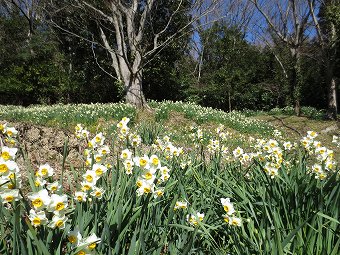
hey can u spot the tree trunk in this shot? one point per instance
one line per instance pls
(331, 53)
(295, 85)
(134, 90)
(229, 101)
(332, 100)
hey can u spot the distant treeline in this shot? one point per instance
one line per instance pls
(43, 62)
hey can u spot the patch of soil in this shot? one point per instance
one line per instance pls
(46, 145)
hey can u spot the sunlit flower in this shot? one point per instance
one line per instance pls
(39, 199)
(149, 174)
(45, 171)
(104, 150)
(321, 175)
(58, 203)
(238, 152)
(98, 157)
(3, 127)
(273, 171)
(99, 169)
(317, 168)
(7, 167)
(135, 140)
(123, 122)
(227, 206)
(97, 192)
(74, 237)
(11, 131)
(90, 242)
(54, 186)
(142, 162)
(181, 205)
(145, 187)
(37, 218)
(90, 176)
(329, 165)
(128, 165)
(154, 161)
(99, 139)
(272, 143)
(9, 195)
(78, 127)
(88, 161)
(39, 182)
(84, 133)
(158, 193)
(311, 134)
(124, 131)
(85, 186)
(8, 153)
(287, 145)
(58, 221)
(321, 150)
(126, 154)
(80, 196)
(235, 221)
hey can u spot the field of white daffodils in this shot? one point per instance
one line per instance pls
(239, 186)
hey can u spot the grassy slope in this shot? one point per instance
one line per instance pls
(167, 119)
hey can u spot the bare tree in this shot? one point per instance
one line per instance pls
(287, 21)
(129, 33)
(327, 40)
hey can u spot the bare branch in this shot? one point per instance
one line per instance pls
(143, 19)
(179, 31)
(96, 58)
(269, 21)
(107, 17)
(316, 23)
(111, 52)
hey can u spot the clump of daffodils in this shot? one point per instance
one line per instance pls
(197, 135)
(10, 181)
(229, 216)
(96, 154)
(85, 246)
(323, 158)
(123, 128)
(270, 155)
(194, 218)
(336, 140)
(166, 147)
(9, 133)
(151, 174)
(81, 132)
(48, 208)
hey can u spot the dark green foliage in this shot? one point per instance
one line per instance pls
(31, 66)
(235, 74)
(162, 75)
